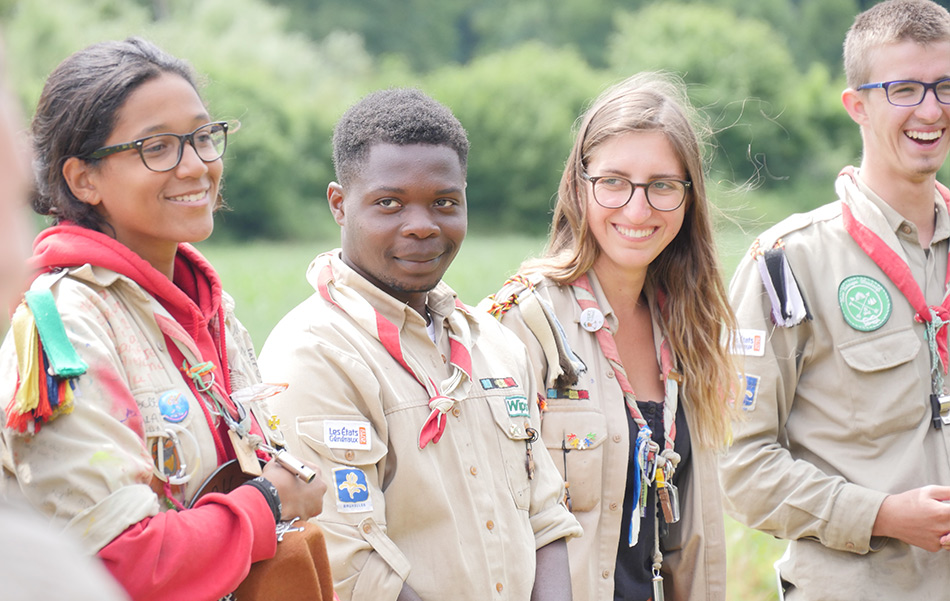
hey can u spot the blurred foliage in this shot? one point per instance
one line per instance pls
(517, 74)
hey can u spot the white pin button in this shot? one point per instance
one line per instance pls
(592, 319)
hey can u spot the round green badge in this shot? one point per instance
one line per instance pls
(864, 302)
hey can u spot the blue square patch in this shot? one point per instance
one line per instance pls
(751, 390)
(351, 490)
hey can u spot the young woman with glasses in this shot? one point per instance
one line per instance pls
(131, 380)
(627, 320)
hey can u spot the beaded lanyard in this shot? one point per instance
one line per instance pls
(651, 465)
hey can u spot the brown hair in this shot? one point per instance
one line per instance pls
(890, 22)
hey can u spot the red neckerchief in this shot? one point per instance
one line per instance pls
(609, 347)
(899, 273)
(388, 335)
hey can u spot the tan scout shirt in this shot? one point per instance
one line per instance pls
(838, 418)
(694, 551)
(91, 469)
(456, 520)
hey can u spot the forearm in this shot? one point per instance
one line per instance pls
(552, 575)
(200, 553)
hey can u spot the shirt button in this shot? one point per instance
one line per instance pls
(443, 359)
(613, 507)
(849, 545)
(367, 528)
(490, 525)
(349, 455)
(617, 438)
(456, 412)
(905, 228)
(610, 374)
(499, 587)
(473, 470)
(605, 574)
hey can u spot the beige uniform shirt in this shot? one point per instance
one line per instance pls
(459, 519)
(92, 469)
(837, 417)
(694, 551)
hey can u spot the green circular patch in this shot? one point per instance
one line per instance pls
(865, 303)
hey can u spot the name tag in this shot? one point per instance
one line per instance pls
(750, 343)
(340, 434)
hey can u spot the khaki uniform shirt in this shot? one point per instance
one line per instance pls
(459, 519)
(92, 469)
(694, 552)
(837, 417)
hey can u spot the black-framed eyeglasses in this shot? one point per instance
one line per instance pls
(163, 152)
(613, 192)
(907, 92)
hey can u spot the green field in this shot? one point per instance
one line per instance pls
(267, 280)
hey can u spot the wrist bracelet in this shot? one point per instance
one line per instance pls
(270, 494)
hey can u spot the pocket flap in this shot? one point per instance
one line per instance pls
(881, 351)
(344, 439)
(512, 414)
(574, 430)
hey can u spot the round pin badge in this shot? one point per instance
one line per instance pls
(592, 319)
(173, 406)
(865, 303)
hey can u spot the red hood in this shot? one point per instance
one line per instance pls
(193, 299)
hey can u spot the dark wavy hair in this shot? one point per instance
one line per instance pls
(399, 116)
(78, 110)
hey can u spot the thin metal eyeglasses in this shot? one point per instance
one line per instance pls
(163, 152)
(613, 192)
(907, 92)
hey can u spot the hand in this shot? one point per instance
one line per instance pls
(298, 499)
(919, 517)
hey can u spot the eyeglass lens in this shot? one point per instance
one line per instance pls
(911, 93)
(662, 194)
(164, 151)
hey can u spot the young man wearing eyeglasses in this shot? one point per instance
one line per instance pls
(846, 447)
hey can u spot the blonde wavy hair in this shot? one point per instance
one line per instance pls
(697, 316)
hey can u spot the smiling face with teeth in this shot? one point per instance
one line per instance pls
(150, 212)
(902, 145)
(631, 237)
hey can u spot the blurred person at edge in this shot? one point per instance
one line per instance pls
(25, 534)
(843, 310)
(624, 317)
(139, 383)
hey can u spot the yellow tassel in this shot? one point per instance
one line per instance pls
(26, 339)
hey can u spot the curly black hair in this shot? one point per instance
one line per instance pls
(399, 116)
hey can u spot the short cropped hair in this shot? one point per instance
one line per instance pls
(891, 22)
(400, 116)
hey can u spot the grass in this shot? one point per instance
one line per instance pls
(267, 280)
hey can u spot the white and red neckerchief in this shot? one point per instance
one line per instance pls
(646, 450)
(896, 269)
(460, 357)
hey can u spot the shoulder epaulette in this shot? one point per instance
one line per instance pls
(47, 364)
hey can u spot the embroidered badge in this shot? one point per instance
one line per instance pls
(496, 383)
(342, 434)
(351, 491)
(865, 303)
(751, 390)
(750, 343)
(517, 406)
(592, 319)
(576, 442)
(569, 394)
(173, 406)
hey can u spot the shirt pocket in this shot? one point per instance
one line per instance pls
(343, 439)
(885, 389)
(513, 434)
(575, 440)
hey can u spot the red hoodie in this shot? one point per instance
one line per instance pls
(202, 553)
